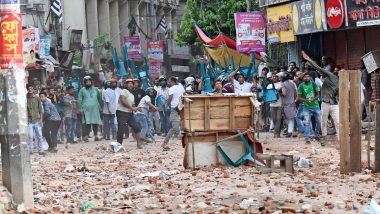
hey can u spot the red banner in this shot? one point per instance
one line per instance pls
(10, 41)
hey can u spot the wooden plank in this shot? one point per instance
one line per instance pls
(207, 114)
(197, 113)
(232, 119)
(344, 129)
(196, 125)
(242, 122)
(377, 136)
(355, 121)
(222, 101)
(242, 111)
(244, 101)
(221, 112)
(219, 124)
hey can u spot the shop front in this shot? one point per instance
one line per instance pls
(354, 29)
(308, 23)
(281, 39)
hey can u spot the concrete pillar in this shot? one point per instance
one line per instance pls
(92, 19)
(114, 26)
(124, 18)
(103, 16)
(16, 167)
(144, 25)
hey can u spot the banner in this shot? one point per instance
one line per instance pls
(11, 53)
(362, 13)
(279, 24)
(155, 51)
(250, 32)
(10, 6)
(133, 46)
(45, 46)
(31, 40)
(308, 16)
(154, 70)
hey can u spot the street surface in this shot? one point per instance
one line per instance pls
(89, 176)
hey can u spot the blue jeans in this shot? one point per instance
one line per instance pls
(307, 113)
(165, 122)
(143, 121)
(70, 124)
(108, 124)
(301, 127)
(35, 128)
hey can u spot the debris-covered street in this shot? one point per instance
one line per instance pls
(89, 177)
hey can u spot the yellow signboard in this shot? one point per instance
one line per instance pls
(279, 24)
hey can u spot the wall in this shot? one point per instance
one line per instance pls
(74, 18)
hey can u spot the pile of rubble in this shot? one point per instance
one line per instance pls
(89, 177)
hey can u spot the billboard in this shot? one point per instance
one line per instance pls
(133, 46)
(155, 51)
(250, 32)
(11, 48)
(279, 24)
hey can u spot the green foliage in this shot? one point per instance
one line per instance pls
(213, 16)
(101, 40)
(77, 58)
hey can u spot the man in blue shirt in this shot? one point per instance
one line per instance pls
(52, 122)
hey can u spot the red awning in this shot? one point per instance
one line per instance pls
(218, 41)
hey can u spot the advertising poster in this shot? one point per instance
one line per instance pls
(133, 46)
(45, 46)
(31, 41)
(11, 47)
(10, 6)
(308, 16)
(362, 13)
(250, 32)
(155, 51)
(154, 70)
(279, 24)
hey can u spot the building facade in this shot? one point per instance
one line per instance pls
(114, 17)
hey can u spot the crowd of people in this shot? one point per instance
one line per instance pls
(121, 106)
(297, 101)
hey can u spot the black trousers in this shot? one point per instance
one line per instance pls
(94, 128)
(123, 120)
(50, 132)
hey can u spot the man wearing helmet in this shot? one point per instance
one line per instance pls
(109, 108)
(240, 85)
(162, 97)
(89, 104)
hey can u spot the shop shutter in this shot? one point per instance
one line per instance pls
(372, 38)
(329, 45)
(356, 47)
(340, 46)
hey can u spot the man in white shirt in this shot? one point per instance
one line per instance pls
(175, 93)
(109, 109)
(241, 86)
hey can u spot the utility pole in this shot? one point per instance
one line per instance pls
(15, 158)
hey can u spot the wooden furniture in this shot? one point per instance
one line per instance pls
(218, 113)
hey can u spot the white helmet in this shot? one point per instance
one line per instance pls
(189, 80)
